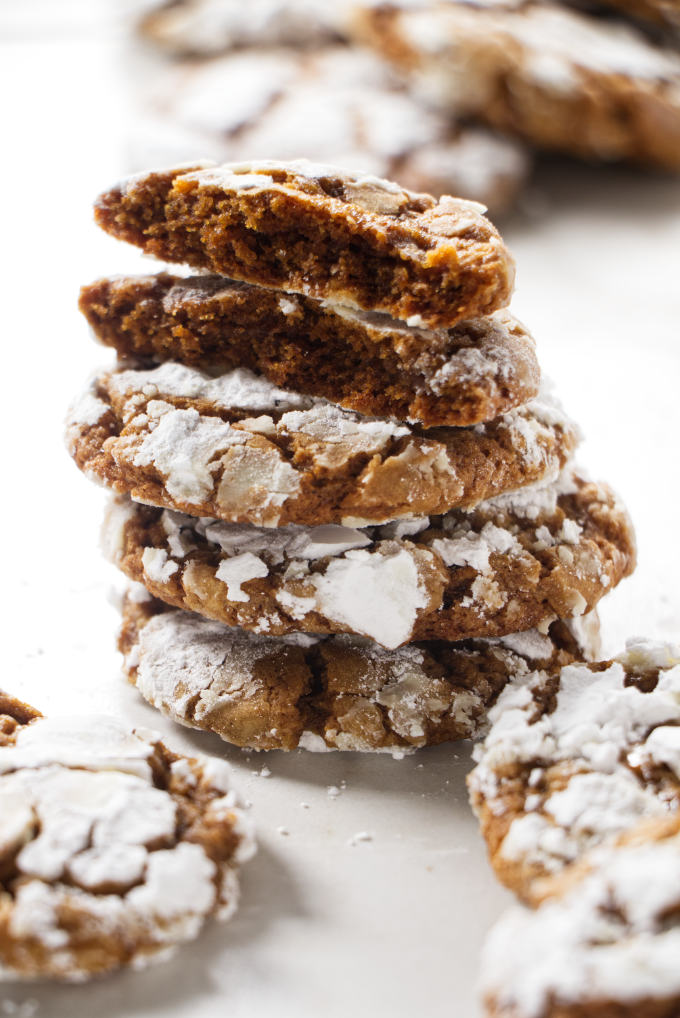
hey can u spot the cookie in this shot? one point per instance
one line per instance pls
(113, 849)
(664, 14)
(605, 947)
(237, 448)
(503, 568)
(338, 105)
(321, 231)
(555, 77)
(369, 363)
(574, 760)
(199, 28)
(316, 693)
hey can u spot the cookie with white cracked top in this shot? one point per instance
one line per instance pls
(502, 568)
(237, 448)
(572, 761)
(338, 105)
(604, 943)
(319, 693)
(200, 28)
(557, 78)
(373, 364)
(322, 231)
(113, 849)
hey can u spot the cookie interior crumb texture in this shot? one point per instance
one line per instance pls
(320, 231)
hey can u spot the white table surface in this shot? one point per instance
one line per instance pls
(328, 925)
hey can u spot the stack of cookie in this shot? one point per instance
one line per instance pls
(348, 507)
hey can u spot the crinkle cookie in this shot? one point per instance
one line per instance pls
(605, 946)
(339, 692)
(206, 27)
(369, 363)
(321, 231)
(506, 567)
(237, 448)
(556, 77)
(113, 849)
(573, 760)
(339, 105)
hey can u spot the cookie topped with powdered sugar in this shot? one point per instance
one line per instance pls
(236, 447)
(322, 693)
(496, 570)
(558, 78)
(321, 231)
(113, 849)
(573, 760)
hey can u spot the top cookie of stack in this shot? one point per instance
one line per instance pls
(317, 427)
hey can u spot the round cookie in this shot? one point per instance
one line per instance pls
(555, 77)
(604, 945)
(113, 849)
(321, 231)
(372, 364)
(267, 692)
(237, 448)
(573, 760)
(505, 567)
(339, 105)
(199, 28)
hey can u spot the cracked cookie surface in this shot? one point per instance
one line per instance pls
(237, 448)
(321, 231)
(603, 945)
(555, 77)
(318, 693)
(373, 364)
(572, 761)
(113, 849)
(508, 566)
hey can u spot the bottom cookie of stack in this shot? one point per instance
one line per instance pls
(334, 692)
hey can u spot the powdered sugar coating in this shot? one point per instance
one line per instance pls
(571, 763)
(91, 849)
(483, 573)
(337, 692)
(240, 449)
(613, 936)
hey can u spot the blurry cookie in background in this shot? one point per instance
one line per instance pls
(337, 105)
(208, 27)
(559, 79)
(663, 13)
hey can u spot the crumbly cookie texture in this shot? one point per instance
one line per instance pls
(316, 693)
(506, 567)
(573, 760)
(320, 231)
(113, 849)
(556, 77)
(199, 28)
(339, 105)
(605, 946)
(366, 362)
(236, 447)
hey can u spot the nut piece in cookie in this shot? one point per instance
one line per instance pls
(573, 760)
(369, 363)
(321, 231)
(113, 849)
(605, 943)
(316, 693)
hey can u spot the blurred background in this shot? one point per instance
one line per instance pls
(566, 125)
